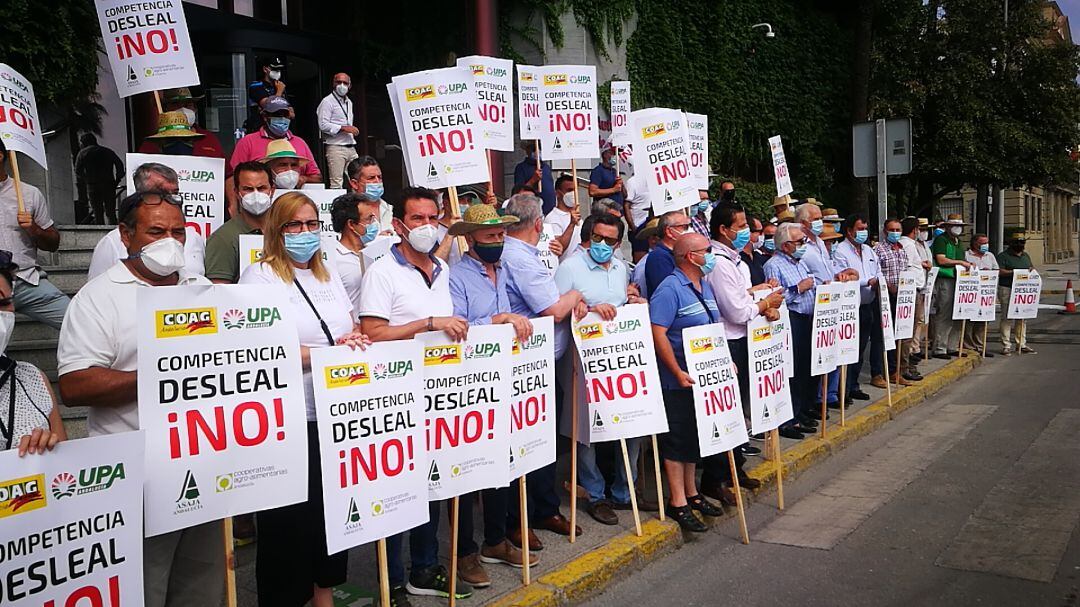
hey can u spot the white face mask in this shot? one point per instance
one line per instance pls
(163, 257)
(758, 242)
(956, 230)
(924, 236)
(341, 90)
(189, 115)
(256, 203)
(275, 74)
(7, 327)
(287, 179)
(569, 200)
(424, 238)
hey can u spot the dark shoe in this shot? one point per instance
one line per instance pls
(989, 354)
(556, 524)
(704, 506)
(943, 356)
(789, 432)
(643, 505)
(748, 483)
(912, 376)
(807, 422)
(749, 449)
(399, 597)
(602, 512)
(720, 493)
(859, 395)
(807, 430)
(535, 545)
(243, 530)
(953, 353)
(435, 581)
(684, 516)
(1027, 350)
(834, 404)
(758, 437)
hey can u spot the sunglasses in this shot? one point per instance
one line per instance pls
(610, 241)
(156, 198)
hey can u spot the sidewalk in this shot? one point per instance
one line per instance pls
(1055, 276)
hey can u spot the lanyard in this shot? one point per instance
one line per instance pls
(8, 432)
(322, 323)
(701, 299)
(340, 105)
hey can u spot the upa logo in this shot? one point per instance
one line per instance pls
(182, 323)
(95, 478)
(762, 334)
(622, 326)
(343, 376)
(252, 318)
(420, 93)
(453, 88)
(21, 495)
(392, 369)
(442, 355)
(580, 79)
(653, 130)
(482, 351)
(195, 176)
(701, 345)
(555, 79)
(591, 331)
(536, 340)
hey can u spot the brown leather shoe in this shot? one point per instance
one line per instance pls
(643, 505)
(900, 380)
(472, 572)
(878, 382)
(720, 493)
(514, 535)
(506, 554)
(602, 512)
(556, 524)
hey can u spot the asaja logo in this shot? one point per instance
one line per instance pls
(195, 176)
(252, 318)
(762, 333)
(354, 513)
(701, 344)
(482, 351)
(181, 323)
(590, 331)
(223, 483)
(419, 93)
(555, 79)
(21, 495)
(622, 326)
(442, 355)
(377, 508)
(653, 130)
(597, 422)
(188, 500)
(63, 485)
(95, 478)
(392, 369)
(343, 376)
(433, 472)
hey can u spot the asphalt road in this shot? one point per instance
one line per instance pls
(971, 498)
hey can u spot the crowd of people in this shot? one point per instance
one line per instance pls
(713, 263)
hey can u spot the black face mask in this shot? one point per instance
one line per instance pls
(177, 148)
(489, 253)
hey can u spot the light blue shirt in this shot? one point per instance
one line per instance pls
(475, 297)
(597, 284)
(530, 287)
(817, 260)
(638, 277)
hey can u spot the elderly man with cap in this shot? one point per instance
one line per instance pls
(948, 253)
(1011, 259)
(780, 205)
(181, 100)
(832, 216)
(478, 290)
(335, 116)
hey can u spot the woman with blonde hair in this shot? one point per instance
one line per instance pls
(292, 564)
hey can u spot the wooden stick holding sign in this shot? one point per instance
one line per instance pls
(888, 384)
(157, 101)
(738, 497)
(18, 181)
(774, 434)
(963, 330)
(899, 347)
(573, 441)
(986, 327)
(630, 484)
(843, 395)
(455, 211)
(384, 573)
(455, 503)
(230, 562)
(659, 485)
(539, 167)
(523, 506)
(824, 403)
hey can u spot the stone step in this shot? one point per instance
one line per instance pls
(68, 279)
(81, 237)
(66, 257)
(39, 352)
(27, 329)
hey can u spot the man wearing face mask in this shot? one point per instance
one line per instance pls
(285, 164)
(276, 116)
(699, 214)
(174, 137)
(636, 211)
(566, 216)
(269, 85)
(181, 100)
(1011, 259)
(661, 263)
(604, 181)
(252, 184)
(365, 177)
(948, 253)
(918, 261)
(356, 220)
(97, 360)
(527, 173)
(854, 253)
(979, 255)
(751, 253)
(892, 260)
(335, 116)
(768, 243)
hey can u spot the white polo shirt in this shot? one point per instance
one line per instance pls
(637, 194)
(347, 264)
(560, 220)
(99, 331)
(110, 249)
(397, 291)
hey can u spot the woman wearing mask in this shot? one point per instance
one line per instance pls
(29, 418)
(292, 565)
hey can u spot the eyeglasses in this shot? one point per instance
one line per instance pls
(680, 226)
(799, 242)
(295, 227)
(155, 198)
(598, 239)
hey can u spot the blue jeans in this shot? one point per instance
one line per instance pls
(543, 500)
(44, 302)
(834, 386)
(589, 475)
(869, 330)
(423, 547)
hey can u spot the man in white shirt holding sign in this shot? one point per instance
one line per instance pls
(356, 220)
(335, 114)
(97, 359)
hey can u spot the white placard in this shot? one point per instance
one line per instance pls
(493, 84)
(72, 524)
(622, 382)
(780, 166)
(551, 260)
(906, 292)
(928, 293)
(966, 295)
(440, 128)
(1024, 295)
(848, 330)
(371, 441)
(770, 393)
(147, 44)
(717, 400)
(251, 250)
(221, 398)
(569, 126)
(528, 82)
(395, 105)
(886, 316)
(466, 391)
(988, 283)
(532, 400)
(324, 201)
(20, 127)
(202, 187)
(374, 250)
(662, 156)
(825, 344)
(698, 134)
(620, 112)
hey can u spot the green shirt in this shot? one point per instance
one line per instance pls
(223, 250)
(1008, 261)
(943, 245)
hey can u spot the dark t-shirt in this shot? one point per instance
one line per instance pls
(524, 172)
(604, 177)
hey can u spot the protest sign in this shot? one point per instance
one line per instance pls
(543, 245)
(697, 126)
(568, 121)
(1024, 295)
(622, 382)
(147, 44)
(905, 304)
(528, 83)
(374, 250)
(825, 344)
(886, 316)
(532, 400)
(662, 155)
(202, 187)
(847, 331)
(72, 524)
(20, 127)
(780, 167)
(324, 201)
(770, 394)
(221, 398)
(395, 105)
(467, 423)
(717, 400)
(251, 250)
(928, 293)
(371, 441)
(440, 128)
(620, 112)
(966, 296)
(493, 85)
(988, 282)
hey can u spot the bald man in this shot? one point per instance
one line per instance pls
(335, 116)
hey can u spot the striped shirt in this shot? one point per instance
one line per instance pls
(892, 260)
(789, 272)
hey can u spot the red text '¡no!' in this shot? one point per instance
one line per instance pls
(562, 123)
(667, 172)
(16, 117)
(445, 141)
(390, 459)
(527, 413)
(154, 42)
(719, 400)
(90, 596)
(450, 432)
(624, 385)
(248, 426)
(491, 112)
(771, 383)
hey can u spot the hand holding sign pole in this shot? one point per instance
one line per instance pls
(20, 127)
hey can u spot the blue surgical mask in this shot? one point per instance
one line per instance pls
(612, 160)
(741, 238)
(817, 226)
(892, 237)
(303, 246)
(938, 232)
(770, 244)
(703, 206)
(601, 252)
(799, 251)
(710, 263)
(375, 190)
(860, 236)
(371, 230)
(278, 125)
(984, 248)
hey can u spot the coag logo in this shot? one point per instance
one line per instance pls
(195, 176)
(555, 79)
(527, 77)
(482, 351)
(343, 376)
(824, 298)
(453, 88)
(392, 369)
(181, 323)
(442, 355)
(22, 495)
(701, 344)
(477, 69)
(419, 93)
(653, 130)
(255, 256)
(516, 348)
(590, 331)
(762, 333)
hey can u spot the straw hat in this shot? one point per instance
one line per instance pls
(281, 148)
(831, 215)
(829, 232)
(812, 201)
(954, 219)
(649, 229)
(173, 125)
(785, 215)
(780, 201)
(924, 222)
(179, 94)
(479, 216)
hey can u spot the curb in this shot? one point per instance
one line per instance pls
(593, 571)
